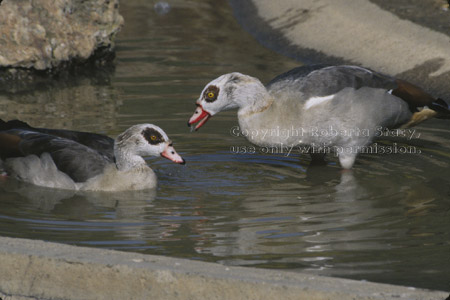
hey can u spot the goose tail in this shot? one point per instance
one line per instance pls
(442, 108)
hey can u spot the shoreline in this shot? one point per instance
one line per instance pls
(350, 32)
(33, 269)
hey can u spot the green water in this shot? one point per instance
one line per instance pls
(387, 221)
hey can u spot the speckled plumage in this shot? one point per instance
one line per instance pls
(326, 107)
(83, 161)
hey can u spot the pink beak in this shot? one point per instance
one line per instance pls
(172, 155)
(200, 115)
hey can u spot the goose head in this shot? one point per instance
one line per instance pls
(144, 140)
(229, 91)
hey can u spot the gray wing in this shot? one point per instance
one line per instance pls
(295, 74)
(76, 160)
(101, 143)
(320, 80)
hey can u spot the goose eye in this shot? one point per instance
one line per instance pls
(152, 136)
(211, 93)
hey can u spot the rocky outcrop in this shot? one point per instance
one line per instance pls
(44, 34)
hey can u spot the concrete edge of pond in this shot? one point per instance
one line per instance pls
(350, 32)
(33, 269)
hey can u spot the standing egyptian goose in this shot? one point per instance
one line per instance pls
(342, 108)
(81, 160)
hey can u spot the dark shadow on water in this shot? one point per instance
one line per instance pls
(98, 69)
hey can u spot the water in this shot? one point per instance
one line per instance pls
(387, 221)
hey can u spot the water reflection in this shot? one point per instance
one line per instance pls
(68, 202)
(281, 223)
(82, 107)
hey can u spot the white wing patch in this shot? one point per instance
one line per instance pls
(317, 100)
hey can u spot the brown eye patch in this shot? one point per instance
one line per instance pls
(152, 136)
(211, 93)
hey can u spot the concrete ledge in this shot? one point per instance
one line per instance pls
(36, 269)
(350, 31)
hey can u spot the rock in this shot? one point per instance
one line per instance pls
(162, 7)
(44, 34)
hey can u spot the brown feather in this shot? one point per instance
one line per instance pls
(9, 145)
(411, 94)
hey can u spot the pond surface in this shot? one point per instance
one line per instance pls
(387, 221)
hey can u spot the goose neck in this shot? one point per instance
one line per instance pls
(254, 103)
(126, 160)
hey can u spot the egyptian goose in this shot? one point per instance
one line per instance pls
(327, 108)
(83, 161)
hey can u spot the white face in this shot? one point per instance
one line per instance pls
(149, 140)
(218, 95)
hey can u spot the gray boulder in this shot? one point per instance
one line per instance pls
(45, 34)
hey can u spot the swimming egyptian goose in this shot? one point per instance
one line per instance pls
(342, 108)
(81, 160)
